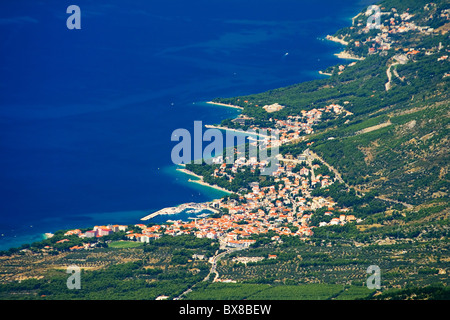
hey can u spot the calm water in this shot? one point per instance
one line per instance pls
(86, 115)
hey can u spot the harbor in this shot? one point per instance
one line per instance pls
(191, 207)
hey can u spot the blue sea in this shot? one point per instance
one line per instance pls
(86, 116)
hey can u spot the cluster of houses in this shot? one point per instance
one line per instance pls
(146, 235)
(294, 126)
(305, 177)
(284, 208)
(97, 231)
(273, 107)
(241, 162)
(395, 23)
(293, 129)
(341, 220)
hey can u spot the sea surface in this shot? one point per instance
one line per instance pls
(86, 116)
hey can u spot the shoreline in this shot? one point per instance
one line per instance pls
(354, 18)
(325, 74)
(336, 39)
(190, 173)
(198, 207)
(203, 183)
(200, 181)
(178, 209)
(348, 56)
(209, 126)
(342, 55)
(225, 105)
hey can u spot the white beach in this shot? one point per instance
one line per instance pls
(225, 105)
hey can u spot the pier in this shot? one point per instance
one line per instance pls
(179, 209)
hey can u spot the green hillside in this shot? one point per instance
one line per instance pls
(387, 158)
(406, 157)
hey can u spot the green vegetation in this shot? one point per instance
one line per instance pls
(335, 257)
(223, 291)
(406, 158)
(392, 154)
(123, 271)
(434, 292)
(301, 292)
(124, 244)
(241, 179)
(237, 291)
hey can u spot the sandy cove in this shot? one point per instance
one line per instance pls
(338, 40)
(200, 181)
(225, 105)
(348, 56)
(203, 183)
(208, 126)
(189, 173)
(325, 74)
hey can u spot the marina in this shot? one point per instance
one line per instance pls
(189, 207)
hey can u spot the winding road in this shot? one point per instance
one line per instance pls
(213, 260)
(359, 193)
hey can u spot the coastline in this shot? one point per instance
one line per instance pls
(200, 180)
(185, 171)
(348, 56)
(324, 73)
(354, 18)
(198, 207)
(343, 54)
(336, 39)
(183, 206)
(210, 185)
(225, 105)
(209, 126)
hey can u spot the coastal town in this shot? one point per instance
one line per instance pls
(355, 183)
(360, 42)
(287, 206)
(284, 208)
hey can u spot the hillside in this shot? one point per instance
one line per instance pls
(363, 180)
(396, 142)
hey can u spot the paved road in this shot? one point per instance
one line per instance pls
(311, 154)
(407, 205)
(213, 261)
(358, 192)
(389, 75)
